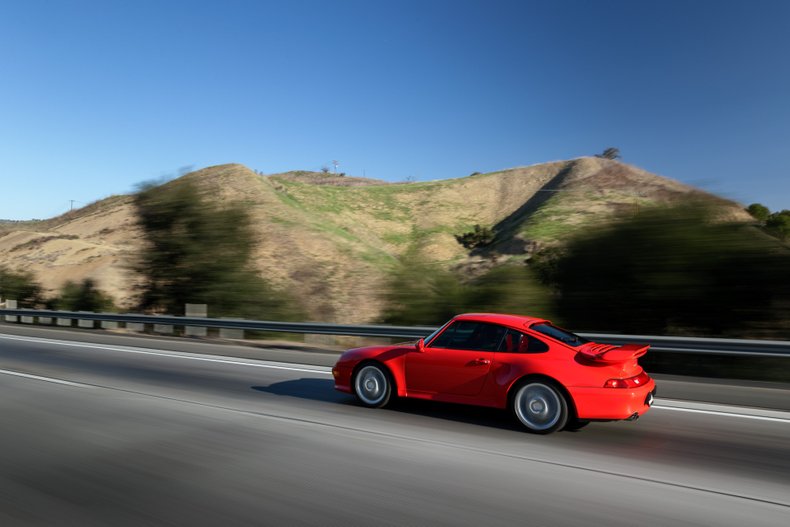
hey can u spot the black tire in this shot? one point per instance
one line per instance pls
(373, 385)
(539, 406)
(576, 424)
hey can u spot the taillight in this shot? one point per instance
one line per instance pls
(631, 382)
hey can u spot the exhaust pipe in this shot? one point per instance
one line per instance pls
(633, 417)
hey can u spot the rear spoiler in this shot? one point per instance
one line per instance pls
(613, 354)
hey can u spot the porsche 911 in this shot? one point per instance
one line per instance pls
(549, 378)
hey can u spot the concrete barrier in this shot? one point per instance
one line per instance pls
(109, 324)
(196, 310)
(26, 320)
(45, 321)
(135, 326)
(66, 322)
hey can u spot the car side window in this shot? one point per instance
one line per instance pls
(518, 342)
(468, 335)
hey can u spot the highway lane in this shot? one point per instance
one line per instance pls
(156, 437)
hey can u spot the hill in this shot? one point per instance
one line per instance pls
(332, 239)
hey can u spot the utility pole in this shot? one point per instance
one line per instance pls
(72, 204)
(335, 163)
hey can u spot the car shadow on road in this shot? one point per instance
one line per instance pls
(307, 388)
(475, 415)
(323, 390)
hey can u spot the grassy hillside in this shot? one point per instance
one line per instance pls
(332, 240)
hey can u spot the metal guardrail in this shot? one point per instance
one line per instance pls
(690, 345)
(313, 328)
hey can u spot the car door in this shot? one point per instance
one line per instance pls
(457, 361)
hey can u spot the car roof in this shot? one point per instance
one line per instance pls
(515, 321)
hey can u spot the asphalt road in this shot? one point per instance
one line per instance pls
(101, 434)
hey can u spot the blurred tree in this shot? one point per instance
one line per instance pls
(83, 297)
(610, 153)
(21, 287)
(758, 211)
(778, 224)
(197, 252)
(674, 270)
(421, 294)
(510, 289)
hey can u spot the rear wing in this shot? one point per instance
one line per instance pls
(610, 354)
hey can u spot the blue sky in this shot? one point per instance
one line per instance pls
(96, 96)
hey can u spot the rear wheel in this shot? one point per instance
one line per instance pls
(372, 386)
(540, 407)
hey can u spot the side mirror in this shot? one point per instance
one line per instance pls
(420, 346)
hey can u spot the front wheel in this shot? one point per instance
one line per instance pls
(540, 407)
(372, 386)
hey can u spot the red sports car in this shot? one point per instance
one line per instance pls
(550, 378)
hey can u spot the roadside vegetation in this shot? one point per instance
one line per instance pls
(675, 270)
(422, 293)
(83, 296)
(664, 270)
(200, 253)
(776, 224)
(29, 294)
(21, 287)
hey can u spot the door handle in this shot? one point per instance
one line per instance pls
(480, 362)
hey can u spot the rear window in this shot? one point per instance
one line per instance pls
(560, 334)
(518, 342)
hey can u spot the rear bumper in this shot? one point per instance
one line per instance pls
(613, 403)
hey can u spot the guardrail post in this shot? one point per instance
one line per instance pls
(165, 329)
(66, 322)
(11, 304)
(89, 324)
(135, 326)
(26, 319)
(229, 333)
(196, 310)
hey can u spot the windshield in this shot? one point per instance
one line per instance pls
(430, 337)
(562, 335)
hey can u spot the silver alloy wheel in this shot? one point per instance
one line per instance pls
(371, 385)
(538, 406)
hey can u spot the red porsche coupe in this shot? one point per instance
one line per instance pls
(548, 377)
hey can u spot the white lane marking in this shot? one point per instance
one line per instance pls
(46, 379)
(722, 414)
(308, 368)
